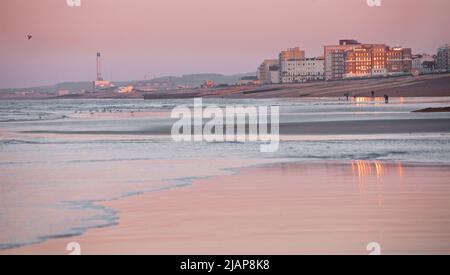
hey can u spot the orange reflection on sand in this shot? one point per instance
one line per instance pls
(371, 174)
(380, 168)
(400, 169)
(366, 172)
(361, 168)
(360, 100)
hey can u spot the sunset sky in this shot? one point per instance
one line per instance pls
(174, 37)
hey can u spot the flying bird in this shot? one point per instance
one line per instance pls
(29, 36)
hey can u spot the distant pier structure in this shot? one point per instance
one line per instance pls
(100, 83)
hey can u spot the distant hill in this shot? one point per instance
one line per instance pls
(76, 86)
(198, 79)
(189, 79)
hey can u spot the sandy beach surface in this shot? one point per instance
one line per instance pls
(291, 208)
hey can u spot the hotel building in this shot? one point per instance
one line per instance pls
(377, 60)
(351, 59)
(294, 67)
(443, 59)
(335, 58)
(398, 60)
(302, 70)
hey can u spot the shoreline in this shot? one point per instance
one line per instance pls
(258, 211)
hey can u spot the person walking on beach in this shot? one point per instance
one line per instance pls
(386, 99)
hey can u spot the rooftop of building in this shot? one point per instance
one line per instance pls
(344, 42)
(320, 58)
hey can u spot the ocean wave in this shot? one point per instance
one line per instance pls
(55, 142)
(409, 150)
(17, 141)
(105, 218)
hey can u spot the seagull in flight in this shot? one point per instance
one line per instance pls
(29, 36)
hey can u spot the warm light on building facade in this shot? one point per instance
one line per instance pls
(351, 59)
(292, 54)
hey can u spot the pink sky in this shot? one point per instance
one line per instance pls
(173, 37)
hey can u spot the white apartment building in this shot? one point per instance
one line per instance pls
(302, 70)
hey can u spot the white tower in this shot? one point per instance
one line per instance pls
(99, 67)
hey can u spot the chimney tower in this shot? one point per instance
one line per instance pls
(99, 67)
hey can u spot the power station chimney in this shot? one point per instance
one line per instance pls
(99, 67)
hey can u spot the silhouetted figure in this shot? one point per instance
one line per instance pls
(373, 94)
(346, 95)
(386, 99)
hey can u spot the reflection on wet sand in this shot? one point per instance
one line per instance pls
(362, 99)
(376, 100)
(373, 173)
(363, 169)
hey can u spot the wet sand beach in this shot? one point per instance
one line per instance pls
(346, 174)
(291, 208)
